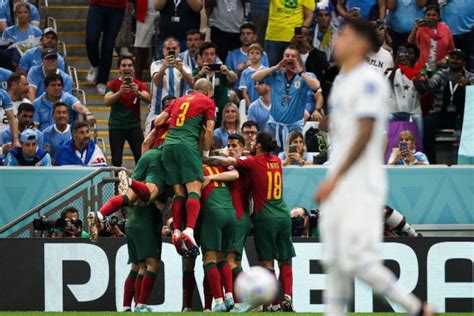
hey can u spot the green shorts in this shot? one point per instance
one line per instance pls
(272, 238)
(182, 164)
(241, 232)
(150, 169)
(143, 244)
(218, 228)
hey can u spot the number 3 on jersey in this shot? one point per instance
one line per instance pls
(183, 109)
(274, 185)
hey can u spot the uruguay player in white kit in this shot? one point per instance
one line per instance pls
(353, 194)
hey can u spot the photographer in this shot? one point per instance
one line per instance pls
(304, 223)
(69, 225)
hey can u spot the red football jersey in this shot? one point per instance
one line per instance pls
(240, 192)
(161, 132)
(129, 99)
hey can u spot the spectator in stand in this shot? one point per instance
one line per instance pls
(7, 108)
(18, 88)
(103, 18)
(37, 75)
(354, 9)
(54, 93)
(290, 85)
(380, 59)
(34, 56)
(4, 75)
(80, 150)
(406, 154)
(177, 17)
(295, 152)
(145, 14)
(30, 153)
(247, 85)
(225, 20)
(230, 123)
(238, 59)
(259, 110)
(325, 33)
(459, 16)
(221, 79)
(22, 30)
(125, 36)
(401, 19)
(249, 131)
(194, 39)
(23, 122)
(124, 95)
(405, 99)
(259, 13)
(7, 13)
(60, 132)
(432, 37)
(449, 89)
(283, 17)
(170, 78)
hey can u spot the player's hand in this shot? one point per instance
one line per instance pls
(325, 189)
(206, 182)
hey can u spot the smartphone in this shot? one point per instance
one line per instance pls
(172, 53)
(292, 149)
(298, 31)
(357, 9)
(428, 23)
(214, 67)
(403, 146)
(128, 80)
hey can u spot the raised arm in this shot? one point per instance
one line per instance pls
(307, 16)
(208, 137)
(196, 5)
(226, 176)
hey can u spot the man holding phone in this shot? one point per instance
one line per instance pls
(124, 95)
(170, 77)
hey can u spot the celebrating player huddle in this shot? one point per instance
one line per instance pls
(210, 207)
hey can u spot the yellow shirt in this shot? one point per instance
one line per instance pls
(284, 16)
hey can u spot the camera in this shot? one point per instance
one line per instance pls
(298, 224)
(70, 227)
(112, 227)
(43, 226)
(214, 67)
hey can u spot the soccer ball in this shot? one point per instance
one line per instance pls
(257, 286)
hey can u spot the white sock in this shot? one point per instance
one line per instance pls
(100, 216)
(189, 231)
(228, 295)
(383, 282)
(338, 291)
(219, 300)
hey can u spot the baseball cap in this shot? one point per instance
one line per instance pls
(459, 53)
(28, 135)
(50, 53)
(50, 30)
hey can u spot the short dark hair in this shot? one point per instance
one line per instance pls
(119, 61)
(237, 137)
(207, 45)
(58, 104)
(249, 124)
(79, 124)
(14, 78)
(70, 209)
(433, 7)
(195, 31)
(247, 25)
(166, 99)
(53, 78)
(266, 140)
(25, 107)
(216, 143)
(364, 30)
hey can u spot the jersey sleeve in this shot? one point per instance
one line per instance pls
(47, 138)
(210, 113)
(246, 162)
(32, 79)
(142, 86)
(310, 4)
(6, 102)
(67, 83)
(370, 98)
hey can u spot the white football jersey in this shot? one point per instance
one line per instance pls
(359, 93)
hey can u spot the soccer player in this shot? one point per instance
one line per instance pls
(182, 161)
(271, 217)
(354, 192)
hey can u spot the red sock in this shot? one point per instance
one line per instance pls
(189, 284)
(226, 276)
(235, 273)
(193, 205)
(147, 286)
(177, 210)
(140, 189)
(207, 293)
(129, 289)
(276, 301)
(113, 205)
(214, 280)
(138, 287)
(286, 279)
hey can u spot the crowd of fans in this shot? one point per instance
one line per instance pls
(270, 63)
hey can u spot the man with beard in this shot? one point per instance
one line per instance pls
(194, 39)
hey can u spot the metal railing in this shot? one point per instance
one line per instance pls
(94, 194)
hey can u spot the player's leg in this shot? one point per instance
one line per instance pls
(214, 279)
(286, 252)
(138, 281)
(177, 210)
(225, 273)
(152, 265)
(208, 296)
(338, 290)
(193, 205)
(129, 287)
(189, 283)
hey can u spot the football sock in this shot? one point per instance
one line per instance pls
(147, 285)
(129, 289)
(338, 291)
(207, 293)
(193, 205)
(235, 273)
(383, 282)
(140, 189)
(286, 279)
(138, 287)
(113, 205)
(214, 280)
(189, 284)
(277, 300)
(226, 275)
(177, 210)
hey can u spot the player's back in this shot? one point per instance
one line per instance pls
(187, 116)
(216, 193)
(161, 133)
(365, 95)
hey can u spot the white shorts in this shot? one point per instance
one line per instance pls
(351, 227)
(149, 119)
(145, 31)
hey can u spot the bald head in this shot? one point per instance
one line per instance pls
(204, 86)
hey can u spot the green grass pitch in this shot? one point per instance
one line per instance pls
(194, 314)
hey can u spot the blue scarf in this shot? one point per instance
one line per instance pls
(67, 154)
